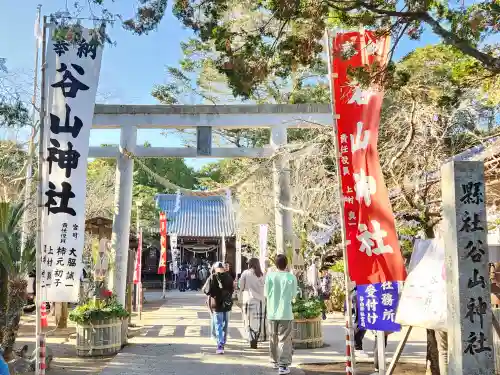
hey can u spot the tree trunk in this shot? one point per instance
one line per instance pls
(17, 299)
(4, 298)
(61, 309)
(432, 357)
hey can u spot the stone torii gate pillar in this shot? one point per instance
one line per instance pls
(281, 179)
(123, 210)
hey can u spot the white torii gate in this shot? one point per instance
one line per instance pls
(129, 118)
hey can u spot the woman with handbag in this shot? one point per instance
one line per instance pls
(219, 289)
(254, 303)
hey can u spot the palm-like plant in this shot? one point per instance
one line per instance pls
(14, 269)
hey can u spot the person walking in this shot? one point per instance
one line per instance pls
(280, 289)
(193, 278)
(182, 278)
(359, 332)
(253, 302)
(229, 269)
(202, 275)
(219, 289)
(325, 289)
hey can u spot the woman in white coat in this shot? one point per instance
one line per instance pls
(254, 303)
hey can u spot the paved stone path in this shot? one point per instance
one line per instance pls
(176, 341)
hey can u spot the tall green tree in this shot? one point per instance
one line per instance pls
(14, 269)
(13, 111)
(287, 34)
(435, 110)
(101, 182)
(198, 76)
(12, 163)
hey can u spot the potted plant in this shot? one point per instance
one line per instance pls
(99, 326)
(307, 329)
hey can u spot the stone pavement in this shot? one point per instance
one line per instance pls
(176, 341)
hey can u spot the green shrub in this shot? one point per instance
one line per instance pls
(95, 310)
(337, 294)
(307, 308)
(337, 298)
(338, 266)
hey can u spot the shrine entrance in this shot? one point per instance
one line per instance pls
(204, 118)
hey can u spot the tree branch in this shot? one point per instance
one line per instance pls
(491, 63)
(408, 141)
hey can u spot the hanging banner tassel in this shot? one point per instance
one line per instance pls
(41, 354)
(43, 315)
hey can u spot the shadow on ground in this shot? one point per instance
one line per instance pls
(185, 359)
(361, 369)
(62, 345)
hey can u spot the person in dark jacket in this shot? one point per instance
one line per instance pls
(182, 278)
(359, 332)
(229, 269)
(219, 289)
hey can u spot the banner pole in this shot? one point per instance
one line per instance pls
(140, 277)
(39, 201)
(141, 298)
(381, 352)
(350, 355)
(31, 145)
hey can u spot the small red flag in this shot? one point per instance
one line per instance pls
(138, 260)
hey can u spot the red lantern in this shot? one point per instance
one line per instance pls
(43, 315)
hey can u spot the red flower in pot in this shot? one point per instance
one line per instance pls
(107, 293)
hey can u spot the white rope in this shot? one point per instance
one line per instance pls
(296, 150)
(177, 201)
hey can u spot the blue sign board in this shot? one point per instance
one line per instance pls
(377, 304)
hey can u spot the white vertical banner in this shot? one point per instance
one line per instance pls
(173, 246)
(72, 76)
(263, 245)
(238, 254)
(38, 31)
(223, 248)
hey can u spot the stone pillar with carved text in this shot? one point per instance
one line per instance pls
(468, 285)
(282, 196)
(123, 210)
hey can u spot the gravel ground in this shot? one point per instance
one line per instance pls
(62, 344)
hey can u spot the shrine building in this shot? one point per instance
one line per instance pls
(205, 227)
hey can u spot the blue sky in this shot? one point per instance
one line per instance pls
(129, 70)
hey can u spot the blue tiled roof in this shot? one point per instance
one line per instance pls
(208, 216)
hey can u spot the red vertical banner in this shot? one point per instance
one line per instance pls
(138, 260)
(373, 250)
(162, 266)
